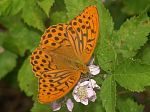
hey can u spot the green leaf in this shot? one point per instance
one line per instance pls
(2, 38)
(146, 54)
(128, 105)
(33, 15)
(78, 107)
(95, 106)
(132, 35)
(116, 12)
(11, 7)
(133, 75)
(59, 5)
(37, 107)
(135, 6)
(46, 5)
(19, 38)
(92, 106)
(16, 6)
(105, 53)
(58, 17)
(75, 7)
(7, 61)
(27, 81)
(108, 94)
(5, 7)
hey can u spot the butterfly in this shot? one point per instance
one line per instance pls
(63, 54)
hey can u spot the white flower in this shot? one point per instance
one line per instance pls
(55, 106)
(94, 70)
(93, 84)
(84, 92)
(70, 105)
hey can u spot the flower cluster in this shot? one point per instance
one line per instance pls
(83, 91)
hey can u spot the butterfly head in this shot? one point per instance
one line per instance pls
(82, 68)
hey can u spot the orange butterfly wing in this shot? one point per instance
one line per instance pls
(56, 84)
(54, 63)
(62, 50)
(83, 33)
(41, 62)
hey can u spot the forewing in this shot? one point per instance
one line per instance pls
(56, 42)
(54, 37)
(83, 33)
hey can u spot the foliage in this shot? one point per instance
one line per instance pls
(135, 6)
(123, 53)
(128, 105)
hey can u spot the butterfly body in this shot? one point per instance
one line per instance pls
(63, 55)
